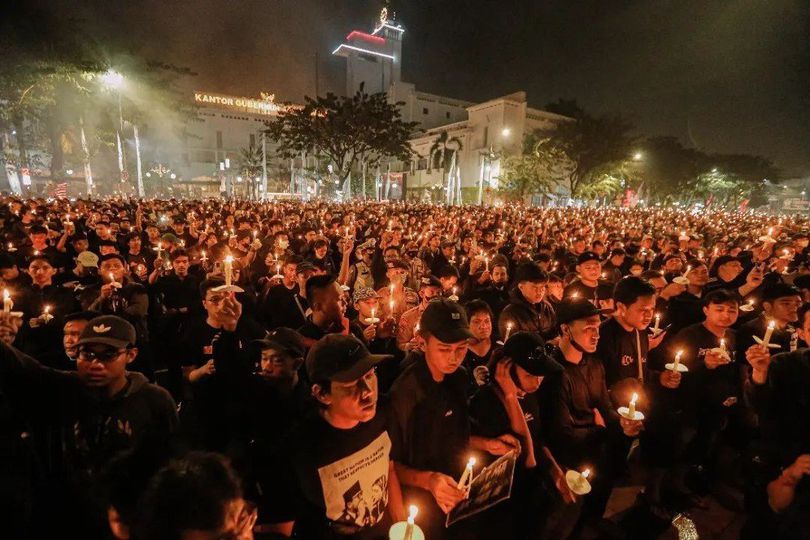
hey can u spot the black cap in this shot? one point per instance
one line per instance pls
(304, 266)
(527, 350)
(446, 320)
(340, 358)
(802, 282)
(586, 256)
(724, 259)
(529, 272)
(108, 330)
(574, 309)
(285, 340)
(430, 281)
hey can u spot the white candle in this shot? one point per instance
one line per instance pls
(631, 410)
(767, 339)
(586, 473)
(391, 307)
(722, 344)
(466, 476)
(508, 331)
(657, 322)
(228, 270)
(7, 303)
(676, 364)
(412, 511)
(203, 258)
(486, 264)
(11, 247)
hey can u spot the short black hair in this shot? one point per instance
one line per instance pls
(81, 316)
(721, 296)
(188, 494)
(446, 271)
(779, 290)
(178, 253)
(37, 229)
(316, 284)
(40, 257)
(476, 306)
(210, 283)
(110, 256)
(630, 288)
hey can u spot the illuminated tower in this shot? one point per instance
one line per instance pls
(373, 59)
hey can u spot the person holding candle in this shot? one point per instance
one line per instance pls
(508, 403)
(431, 427)
(335, 474)
(396, 293)
(780, 305)
(527, 310)
(377, 336)
(583, 425)
(407, 337)
(496, 292)
(588, 282)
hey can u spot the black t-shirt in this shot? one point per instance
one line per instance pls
(477, 369)
(431, 427)
(602, 291)
(620, 351)
(332, 482)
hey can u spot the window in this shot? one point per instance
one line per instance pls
(447, 115)
(252, 139)
(424, 110)
(422, 165)
(219, 139)
(486, 135)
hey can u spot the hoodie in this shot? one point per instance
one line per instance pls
(526, 317)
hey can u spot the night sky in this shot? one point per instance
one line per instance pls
(722, 75)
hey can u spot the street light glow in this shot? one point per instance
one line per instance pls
(506, 131)
(638, 156)
(112, 79)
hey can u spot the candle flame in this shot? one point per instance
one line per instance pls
(412, 511)
(46, 309)
(6, 295)
(772, 325)
(229, 259)
(634, 398)
(586, 473)
(471, 462)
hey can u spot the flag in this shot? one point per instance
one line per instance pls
(59, 190)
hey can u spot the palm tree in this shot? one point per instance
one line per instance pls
(250, 166)
(443, 155)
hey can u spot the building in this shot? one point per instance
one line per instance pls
(484, 133)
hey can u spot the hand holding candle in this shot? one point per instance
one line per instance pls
(765, 341)
(467, 476)
(630, 412)
(228, 270)
(407, 530)
(676, 366)
(7, 303)
(578, 482)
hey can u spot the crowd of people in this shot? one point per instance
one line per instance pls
(178, 369)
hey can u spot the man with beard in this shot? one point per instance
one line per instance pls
(335, 476)
(526, 310)
(328, 309)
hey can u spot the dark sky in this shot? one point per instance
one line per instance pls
(722, 75)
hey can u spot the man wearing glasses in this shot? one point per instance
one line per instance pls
(82, 419)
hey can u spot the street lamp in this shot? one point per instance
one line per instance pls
(505, 132)
(638, 156)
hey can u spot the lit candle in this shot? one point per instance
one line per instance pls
(391, 307)
(228, 269)
(11, 247)
(657, 323)
(486, 264)
(677, 363)
(46, 313)
(412, 511)
(508, 331)
(7, 303)
(768, 333)
(631, 410)
(203, 258)
(722, 344)
(466, 477)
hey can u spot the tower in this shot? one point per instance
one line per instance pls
(373, 59)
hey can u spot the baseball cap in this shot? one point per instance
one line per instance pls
(587, 256)
(572, 309)
(724, 259)
(446, 320)
(398, 263)
(340, 358)
(430, 281)
(108, 330)
(285, 340)
(530, 272)
(364, 293)
(88, 259)
(169, 237)
(304, 266)
(527, 350)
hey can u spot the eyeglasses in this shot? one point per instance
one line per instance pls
(107, 355)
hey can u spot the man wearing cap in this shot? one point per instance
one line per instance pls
(509, 404)
(377, 335)
(587, 284)
(395, 291)
(431, 426)
(335, 477)
(407, 339)
(526, 310)
(583, 426)
(83, 274)
(85, 418)
(361, 274)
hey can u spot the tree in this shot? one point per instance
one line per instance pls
(250, 167)
(346, 130)
(537, 170)
(443, 155)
